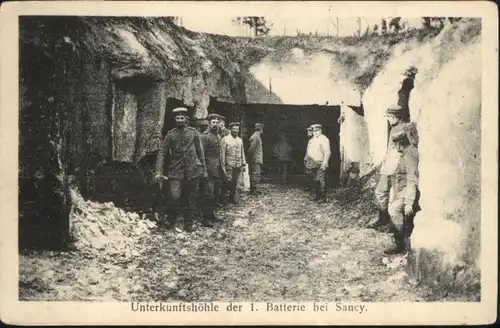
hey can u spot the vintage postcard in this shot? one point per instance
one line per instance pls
(257, 163)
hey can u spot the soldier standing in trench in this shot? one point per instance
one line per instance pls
(404, 205)
(388, 168)
(233, 159)
(316, 161)
(255, 161)
(211, 142)
(186, 163)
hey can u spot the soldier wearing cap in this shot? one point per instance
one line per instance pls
(388, 168)
(222, 127)
(203, 126)
(404, 181)
(255, 160)
(316, 161)
(211, 142)
(233, 159)
(184, 165)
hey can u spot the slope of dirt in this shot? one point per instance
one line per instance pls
(278, 246)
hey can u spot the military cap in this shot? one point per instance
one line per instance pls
(234, 124)
(180, 110)
(309, 128)
(213, 116)
(222, 118)
(393, 109)
(316, 126)
(259, 125)
(405, 130)
(204, 123)
(398, 133)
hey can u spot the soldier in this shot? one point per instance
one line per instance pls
(255, 158)
(316, 161)
(404, 205)
(186, 163)
(211, 142)
(203, 126)
(222, 127)
(309, 132)
(389, 164)
(233, 159)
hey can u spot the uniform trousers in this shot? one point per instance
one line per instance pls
(182, 195)
(254, 174)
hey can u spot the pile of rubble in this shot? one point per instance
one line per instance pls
(106, 229)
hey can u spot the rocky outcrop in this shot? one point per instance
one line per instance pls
(95, 90)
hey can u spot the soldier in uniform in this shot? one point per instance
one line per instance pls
(316, 161)
(185, 164)
(211, 142)
(255, 158)
(389, 164)
(404, 205)
(233, 159)
(222, 127)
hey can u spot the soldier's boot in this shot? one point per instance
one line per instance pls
(207, 215)
(382, 221)
(317, 195)
(232, 198)
(399, 243)
(321, 197)
(188, 221)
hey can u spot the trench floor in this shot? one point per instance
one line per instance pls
(276, 246)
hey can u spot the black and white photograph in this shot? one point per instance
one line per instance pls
(301, 163)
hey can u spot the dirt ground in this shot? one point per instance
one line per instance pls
(277, 246)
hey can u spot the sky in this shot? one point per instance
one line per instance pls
(324, 25)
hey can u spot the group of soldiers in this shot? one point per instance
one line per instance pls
(399, 171)
(207, 164)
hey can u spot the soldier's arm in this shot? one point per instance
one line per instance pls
(411, 162)
(160, 160)
(253, 146)
(223, 151)
(199, 151)
(326, 147)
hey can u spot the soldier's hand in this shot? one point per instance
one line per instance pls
(408, 210)
(323, 167)
(243, 168)
(205, 175)
(156, 178)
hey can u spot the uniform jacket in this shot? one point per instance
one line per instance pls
(233, 154)
(406, 176)
(184, 152)
(318, 151)
(255, 149)
(392, 156)
(211, 142)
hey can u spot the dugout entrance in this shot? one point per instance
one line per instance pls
(288, 123)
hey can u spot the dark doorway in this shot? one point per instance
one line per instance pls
(291, 122)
